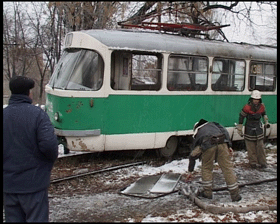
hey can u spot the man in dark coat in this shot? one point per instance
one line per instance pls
(212, 143)
(30, 149)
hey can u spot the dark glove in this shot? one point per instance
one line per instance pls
(191, 163)
(267, 125)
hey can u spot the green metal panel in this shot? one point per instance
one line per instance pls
(122, 114)
(77, 113)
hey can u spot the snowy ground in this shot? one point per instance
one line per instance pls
(109, 206)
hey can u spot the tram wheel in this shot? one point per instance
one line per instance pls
(170, 147)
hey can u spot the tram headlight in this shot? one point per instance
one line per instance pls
(58, 116)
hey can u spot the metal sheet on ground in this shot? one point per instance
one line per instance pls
(142, 185)
(166, 183)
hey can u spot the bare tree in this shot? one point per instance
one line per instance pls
(15, 52)
(203, 13)
(29, 44)
(44, 42)
(86, 15)
(185, 13)
(247, 16)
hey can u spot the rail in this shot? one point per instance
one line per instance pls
(96, 172)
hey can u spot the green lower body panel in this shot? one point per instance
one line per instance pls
(128, 114)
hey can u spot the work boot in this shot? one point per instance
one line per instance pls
(263, 166)
(235, 197)
(253, 166)
(205, 194)
(234, 194)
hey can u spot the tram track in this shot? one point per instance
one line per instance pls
(90, 170)
(70, 167)
(57, 180)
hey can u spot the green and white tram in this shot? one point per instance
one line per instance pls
(133, 90)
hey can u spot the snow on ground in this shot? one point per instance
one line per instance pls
(111, 206)
(66, 208)
(180, 166)
(176, 166)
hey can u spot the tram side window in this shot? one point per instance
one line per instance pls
(228, 75)
(136, 71)
(187, 73)
(262, 76)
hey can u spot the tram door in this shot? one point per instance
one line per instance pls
(121, 71)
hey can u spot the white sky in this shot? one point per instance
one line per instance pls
(238, 31)
(264, 29)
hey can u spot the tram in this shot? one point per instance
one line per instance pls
(134, 90)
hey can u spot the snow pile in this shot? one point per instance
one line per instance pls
(176, 166)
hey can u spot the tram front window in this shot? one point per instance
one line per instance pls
(78, 69)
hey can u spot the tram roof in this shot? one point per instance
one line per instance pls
(159, 42)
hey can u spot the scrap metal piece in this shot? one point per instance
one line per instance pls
(153, 186)
(166, 183)
(142, 186)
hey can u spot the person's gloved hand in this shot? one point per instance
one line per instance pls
(265, 117)
(191, 163)
(195, 154)
(230, 151)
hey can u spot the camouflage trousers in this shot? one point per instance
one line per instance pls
(256, 152)
(221, 154)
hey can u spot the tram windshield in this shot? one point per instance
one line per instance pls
(78, 69)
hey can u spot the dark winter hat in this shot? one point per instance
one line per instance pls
(197, 124)
(21, 85)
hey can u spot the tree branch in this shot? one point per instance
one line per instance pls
(218, 6)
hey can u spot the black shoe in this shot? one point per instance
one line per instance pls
(236, 198)
(253, 166)
(265, 169)
(202, 194)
